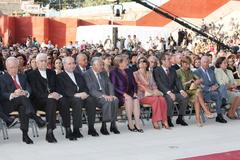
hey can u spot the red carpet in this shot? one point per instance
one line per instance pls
(233, 155)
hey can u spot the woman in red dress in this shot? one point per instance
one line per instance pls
(149, 94)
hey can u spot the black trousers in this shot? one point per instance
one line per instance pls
(183, 103)
(77, 104)
(4, 116)
(50, 106)
(24, 107)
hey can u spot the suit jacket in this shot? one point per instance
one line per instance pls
(78, 69)
(41, 87)
(167, 83)
(92, 83)
(67, 87)
(123, 84)
(7, 85)
(206, 82)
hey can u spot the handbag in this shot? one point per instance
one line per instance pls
(193, 86)
(148, 94)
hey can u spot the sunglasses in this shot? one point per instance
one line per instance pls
(143, 61)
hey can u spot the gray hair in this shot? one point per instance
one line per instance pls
(152, 58)
(64, 60)
(41, 56)
(204, 58)
(95, 60)
(80, 55)
(119, 59)
(11, 59)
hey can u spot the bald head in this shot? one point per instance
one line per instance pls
(12, 66)
(68, 64)
(205, 62)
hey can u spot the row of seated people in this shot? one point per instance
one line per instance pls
(77, 88)
(41, 89)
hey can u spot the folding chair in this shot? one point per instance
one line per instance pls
(3, 128)
(32, 124)
(145, 112)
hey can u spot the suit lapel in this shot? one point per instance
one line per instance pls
(21, 80)
(164, 73)
(10, 80)
(95, 79)
(69, 79)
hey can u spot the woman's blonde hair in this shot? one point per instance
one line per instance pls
(119, 59)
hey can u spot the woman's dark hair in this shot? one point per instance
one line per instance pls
(24, 58)
(55, 61)
(106, 55)
(145, 61)
(232, 56)
(196, 59)
(162, 56)
(219, 61)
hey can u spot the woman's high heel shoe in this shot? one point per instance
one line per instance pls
(209, 116)
(199, 124)
(130, 129)
(165, 126)
(138, 130)
(155, 126)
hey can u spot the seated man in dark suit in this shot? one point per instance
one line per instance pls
(45, 96)
(73, 87)
(168, 83)
(178, 58)
(101, 88)
(211, 90)
(15, 91)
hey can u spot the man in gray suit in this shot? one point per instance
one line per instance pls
(102, 89)
(210, 88)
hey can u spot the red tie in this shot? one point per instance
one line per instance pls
(15, 83)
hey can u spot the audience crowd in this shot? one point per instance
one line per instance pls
(190, 71)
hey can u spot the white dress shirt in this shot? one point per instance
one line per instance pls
(82, 69)
(43, 73)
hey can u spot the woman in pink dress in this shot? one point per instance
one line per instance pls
(149, 94)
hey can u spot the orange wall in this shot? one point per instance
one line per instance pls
(59, 30)
(62, 30)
